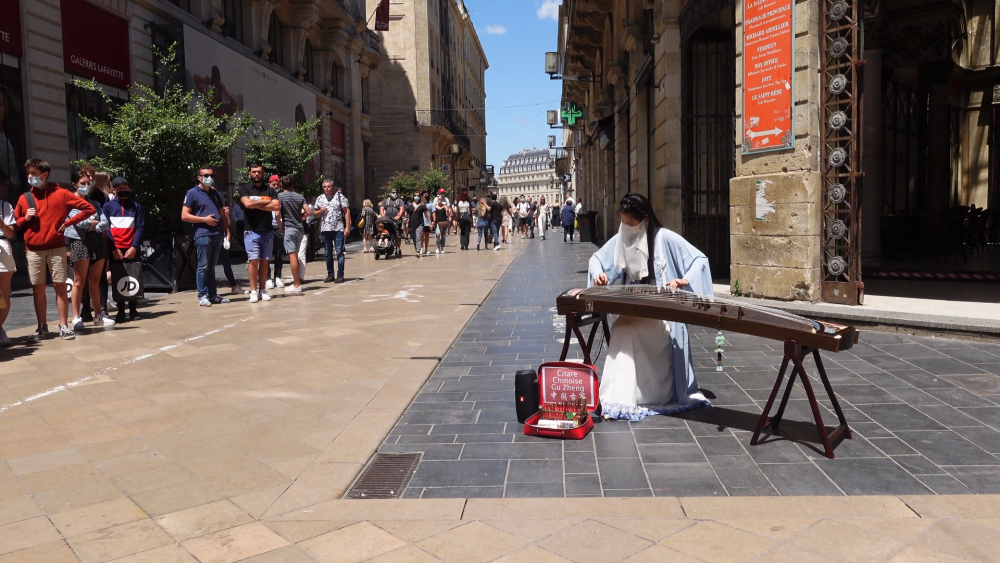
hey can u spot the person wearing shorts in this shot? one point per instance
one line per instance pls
(43, 214)
(293, 209)
(87, 251)
(7, 266)
(259, 200)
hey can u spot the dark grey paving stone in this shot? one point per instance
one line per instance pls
(611, 426)
(580, 462)
(986, 438)
(869, 429)
(960, 398)
(892, 446)
(980, 384)
(971, 355)
(900, 417)
(886, 361)
(879, 476)
(945, 485)
(442, 417)
(776, 449)
(441, 407)
(497, 415)
(751, 491)
(918, 378)
(411, 429)
(740, 472)
(484, 438)
(463, 492)
(430, 451)
(948, 366)
(949, 416)
(535, 471)
(947, 448)
(534, 490)
(460, 474)
(669, 480)
(622, 473)
(987, 415)
(886, 380)
(863, 394)
(584, 445)
(799, 479)
(492, 428)
(915, 397)
(662, 421)
(671, 453)
(628, 493)
(663, 436)
(439, 398)
(614, 444)
(427, 439)
(583, 485)
(983, 480)
(910, 351)
(720, 445)
(918, 465)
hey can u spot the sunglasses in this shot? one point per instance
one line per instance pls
(208, 175)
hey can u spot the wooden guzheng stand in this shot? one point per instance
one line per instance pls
(802, 336)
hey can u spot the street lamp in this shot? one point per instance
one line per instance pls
(455, 149)
(551, 64)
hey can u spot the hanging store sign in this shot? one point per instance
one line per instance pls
(103, 55)
(10, 27)
(768, 28)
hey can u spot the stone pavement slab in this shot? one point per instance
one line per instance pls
(925, 413)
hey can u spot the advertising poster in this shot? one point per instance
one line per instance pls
(767, 75)
(10, 27)
(338, 151)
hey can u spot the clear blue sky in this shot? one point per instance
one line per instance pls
(515, 35)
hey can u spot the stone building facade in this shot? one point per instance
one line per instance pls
(907, 182)
(432, 94)
(277, 59)
(530, 173)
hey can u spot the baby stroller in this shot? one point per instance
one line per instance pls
(384, 238)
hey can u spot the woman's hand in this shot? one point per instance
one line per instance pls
(677, 284)
(601, 279)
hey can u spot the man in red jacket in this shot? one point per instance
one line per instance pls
(41, 214)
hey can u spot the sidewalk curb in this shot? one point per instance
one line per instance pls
(889, 321)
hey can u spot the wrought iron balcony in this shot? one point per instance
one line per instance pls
(372, 40)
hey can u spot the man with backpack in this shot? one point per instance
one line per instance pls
(41, 216)
(393, 208)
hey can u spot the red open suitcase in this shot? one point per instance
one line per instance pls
(560, 382)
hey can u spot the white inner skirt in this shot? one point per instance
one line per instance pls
(637, 367)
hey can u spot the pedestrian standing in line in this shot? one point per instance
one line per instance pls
(259, 201)
(308, 229)
(393, 208)
(127, 223)
(568, 216)
(482, 214)
(293, 210)
(7, 264)
(496, 219)
(425, 236)
(464, 208)
(532, 216)
(224, 258)
(442, 220)
(368, 216)
(88, 250)
(98, 195)
(332, 207)
(278, 257)
(41, 214)
(418, 215)
(203, 208)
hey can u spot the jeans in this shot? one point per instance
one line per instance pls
(208, 248)
(442, 235)
(258, 245)
(417, 238)
(334, 240)
(496, 234)
(482, 227)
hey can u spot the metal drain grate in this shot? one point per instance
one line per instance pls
(385, 477)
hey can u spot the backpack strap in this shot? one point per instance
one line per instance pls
(30, 199)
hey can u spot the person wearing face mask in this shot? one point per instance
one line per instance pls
(127, 223)
(648, 368)
(87, 251)
(42, 214)
(393, 207)
(203, 207)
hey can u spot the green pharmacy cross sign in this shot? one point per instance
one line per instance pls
(570, 113)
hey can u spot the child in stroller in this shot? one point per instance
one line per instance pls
(384, 241)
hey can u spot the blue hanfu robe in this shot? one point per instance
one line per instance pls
(673, 258)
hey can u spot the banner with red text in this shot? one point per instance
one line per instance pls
(768, 64)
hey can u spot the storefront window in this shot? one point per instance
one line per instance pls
(12, 146)
(82, 103)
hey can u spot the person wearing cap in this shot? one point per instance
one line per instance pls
(203, 207)
(127, 223)
(42, 219)
(393, 207)
(259, 202)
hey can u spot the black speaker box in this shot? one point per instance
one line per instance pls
(526, 394)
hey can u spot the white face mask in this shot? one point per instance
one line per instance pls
(84, 189)
(34, 181)
(208, 181)
(632, 250)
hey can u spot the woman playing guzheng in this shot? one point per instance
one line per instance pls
(648, 368)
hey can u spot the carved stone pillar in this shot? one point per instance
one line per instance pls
(260, 17)
(304, 17)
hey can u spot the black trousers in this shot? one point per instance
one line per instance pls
(112, 260)
(465, 227)
(568, 232)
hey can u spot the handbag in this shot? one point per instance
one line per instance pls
(576, 223)
(361, 223)
(126, 281)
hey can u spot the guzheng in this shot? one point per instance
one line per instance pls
(723, 314)
(802, 337)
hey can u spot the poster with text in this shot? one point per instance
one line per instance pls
(767, 75)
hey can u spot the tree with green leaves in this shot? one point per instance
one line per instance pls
(286, 151)
(159, 141)
(408, 183)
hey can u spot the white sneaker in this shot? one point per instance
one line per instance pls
(269, 284)
(293, 289)
(103, 320)
(77, 324)
(278, 283)
(437, 251)
(254, 296)
(4, 339)
(264, 296)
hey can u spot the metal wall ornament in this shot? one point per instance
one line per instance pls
(841, 74)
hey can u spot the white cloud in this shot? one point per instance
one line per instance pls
(549, 9)
(496, 29)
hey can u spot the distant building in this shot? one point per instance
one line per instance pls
(432, 94)
(529, 173)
